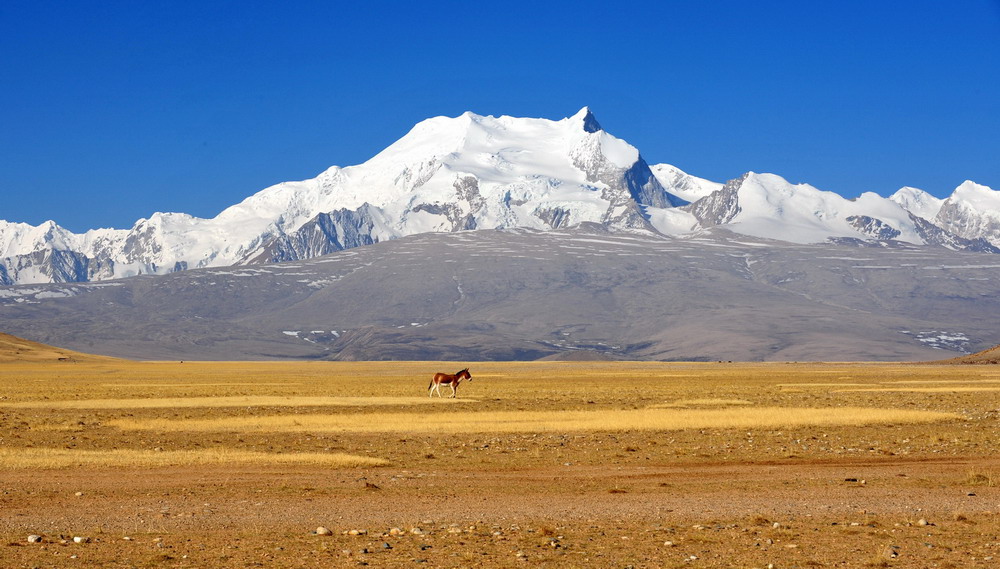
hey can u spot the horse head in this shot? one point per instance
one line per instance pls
(465, 374)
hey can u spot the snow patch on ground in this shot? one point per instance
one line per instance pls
(942, 340)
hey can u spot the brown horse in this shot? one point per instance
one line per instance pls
(447, 379)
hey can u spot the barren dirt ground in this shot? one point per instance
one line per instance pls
(869, 495)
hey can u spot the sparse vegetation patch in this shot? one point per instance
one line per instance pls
(548, 421)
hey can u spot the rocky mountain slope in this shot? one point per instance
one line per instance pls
(476, 172)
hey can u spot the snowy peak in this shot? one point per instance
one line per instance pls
(587, 119)
(917, 202)
(978, 197)
(445, 174)
(972, 211)
(683, 185)
(767, 205)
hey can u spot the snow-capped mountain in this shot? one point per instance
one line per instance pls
(972, 212)
(766, 205)
(917, 202)
(477, 172)
(683, 185)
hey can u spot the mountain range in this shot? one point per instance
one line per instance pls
(475, 172)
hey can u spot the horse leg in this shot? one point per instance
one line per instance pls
(454, 388)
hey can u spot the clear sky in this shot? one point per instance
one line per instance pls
(112, 110)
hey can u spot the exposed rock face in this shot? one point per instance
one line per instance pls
(719, 207)
(873, 228)
(934, 235)
(324, 234)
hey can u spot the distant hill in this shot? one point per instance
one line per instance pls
(14, 349)
(990, 356)
(528, 294)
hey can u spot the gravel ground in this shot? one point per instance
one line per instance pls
(848, 513)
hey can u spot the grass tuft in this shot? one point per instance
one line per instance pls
(981, 478)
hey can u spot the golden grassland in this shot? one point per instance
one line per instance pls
(49, 458)
(229, 401)
(515, 412)
(541, 464)
(612, 420)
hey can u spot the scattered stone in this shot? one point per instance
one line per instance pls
(668, 544)
(776, 525)
(357, 532)
(923, 522)
(396, 531)
(79, 493)
(323, 531)
(386, 545)
(81, 539)
(34, 538)
(416, 531)
(890, 552)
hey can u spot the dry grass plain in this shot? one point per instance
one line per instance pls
(583, 464)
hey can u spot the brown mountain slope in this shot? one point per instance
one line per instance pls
(990, 356)
(14, 349)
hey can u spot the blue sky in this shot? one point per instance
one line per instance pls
(111, 110)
